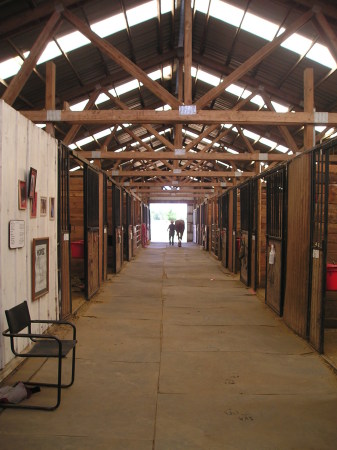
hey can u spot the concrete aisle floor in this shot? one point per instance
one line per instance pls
(176, 354)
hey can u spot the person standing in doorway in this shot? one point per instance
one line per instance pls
(171, 229)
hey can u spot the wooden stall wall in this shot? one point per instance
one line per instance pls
(224, 230)
(24, 145)
(76, 217)
(231, 230)
(298, 245)
(254, 232)
(245, 238)
(92, 231)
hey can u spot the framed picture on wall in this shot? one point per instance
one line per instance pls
(22, 194)
(40, 267)
(33, 206)
(32, 182)
(51, 208)
(43, 206)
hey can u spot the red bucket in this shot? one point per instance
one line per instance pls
(77, 249)
(331, 277)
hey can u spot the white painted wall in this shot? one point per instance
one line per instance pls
(24, 145)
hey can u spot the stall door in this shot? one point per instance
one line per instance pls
(275, 264)
(318, 247)
(91, 235)
(117, 229)
(64, 233)
(244, 248)
(224, 230)
(254, 231)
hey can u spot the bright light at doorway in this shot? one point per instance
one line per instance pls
(160, 220)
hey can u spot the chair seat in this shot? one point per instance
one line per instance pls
(50, 348)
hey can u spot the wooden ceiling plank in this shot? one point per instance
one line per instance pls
(184, 173)
(122, 60)
(17, 83)
(253, 60)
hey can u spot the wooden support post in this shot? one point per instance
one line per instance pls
(50, 93)
(27, 67)
(309, 131)
(188, 53)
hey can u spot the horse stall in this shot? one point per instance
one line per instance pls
(245, 238)
(233, 227)
(127, 226)
(224, 229)
(114, 220)
(323, 291)
(137, 227)
(276, 181)
(195, 225)
(63, 232)
(214, 227)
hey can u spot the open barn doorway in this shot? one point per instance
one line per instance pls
(161, 215)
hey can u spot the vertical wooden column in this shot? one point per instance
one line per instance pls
(178, 137)
(188, 53)
(50, 93)
(309, 132)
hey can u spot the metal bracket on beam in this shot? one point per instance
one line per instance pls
(115, 173)
(263, 157)
(53, 115)
(321, 117)
(179, 151)
(187, 110)
(96, 154)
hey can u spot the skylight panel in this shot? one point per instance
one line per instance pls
(298, 44)
(102, 133)
(208, 78)
(166, 6)
(232, 151)
(251, 135)
(141, 13)
(225, 12)
(268, 142)
(51, 51)
(10, 67)
(126, 87)
(282, 148)
(155, 75)
(280, 108)
(258, 100)
(320, 128)
(238, 91)
(84, 141)
(167, 71)
(79, 106)
(110, 25)
(101, 99)
(72, 41)
(259, 26)
(322, 55)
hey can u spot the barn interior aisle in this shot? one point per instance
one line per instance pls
(174, 353)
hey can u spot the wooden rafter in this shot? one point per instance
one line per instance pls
(253, 60)
(29, 64)
(122, 60)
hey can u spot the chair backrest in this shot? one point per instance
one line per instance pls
(18, 317)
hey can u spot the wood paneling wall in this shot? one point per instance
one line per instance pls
(76, 206)
(24, 145)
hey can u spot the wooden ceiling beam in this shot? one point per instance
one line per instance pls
(199, 156)
(253, 60)
(109, 117)
(122, 60)
(181, 173)
(17, 83)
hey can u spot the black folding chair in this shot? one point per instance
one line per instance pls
(43, 346)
